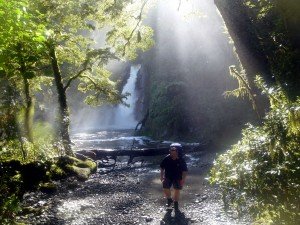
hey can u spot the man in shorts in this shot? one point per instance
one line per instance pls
(173, 171)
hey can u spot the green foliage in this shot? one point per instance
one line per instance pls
(9, 106)
(276, 24)
(42, 149)
(80, 55)
(36, 32)
(9, 206)
(128, 34)
(21, 39)
(21, 53)
(9, 200)
(260, 173)
(166, 112)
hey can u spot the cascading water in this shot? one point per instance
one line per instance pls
(115, 131)
(120, 117)
(124, 116)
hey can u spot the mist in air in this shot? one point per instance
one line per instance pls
(192, 47)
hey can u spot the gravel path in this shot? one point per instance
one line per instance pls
(131, 196)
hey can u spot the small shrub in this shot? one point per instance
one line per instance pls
(9, 206)
(9, 196)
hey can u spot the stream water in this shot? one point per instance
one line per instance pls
(115, 140)
(109, 139)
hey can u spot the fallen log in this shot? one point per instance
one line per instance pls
(98, 154)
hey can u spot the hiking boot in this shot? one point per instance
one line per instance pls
(176, 208)
(169, 202)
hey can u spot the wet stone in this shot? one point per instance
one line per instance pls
(204, 197)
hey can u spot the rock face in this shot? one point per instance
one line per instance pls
(142, 90)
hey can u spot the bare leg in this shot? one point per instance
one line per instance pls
(176, 198)
(167, 192)
(176, 195)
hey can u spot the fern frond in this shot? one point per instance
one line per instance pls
(243, 89)
(239, 92)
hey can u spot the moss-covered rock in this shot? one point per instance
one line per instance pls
(88, 164)
(82, 169)
(48, 188)
(57, 173)
(81, 173)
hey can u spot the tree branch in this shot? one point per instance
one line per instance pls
(179, 4)
(93, 82)
(139, 18)
(79, 74)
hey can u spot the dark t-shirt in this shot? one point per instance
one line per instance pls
(173, 168)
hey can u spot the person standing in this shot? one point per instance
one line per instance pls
(173, 172)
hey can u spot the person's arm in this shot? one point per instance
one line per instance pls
(184, 174)
(162, 174)
(162, 169)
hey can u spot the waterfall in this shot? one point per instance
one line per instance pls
(109, 117)
(124, 116)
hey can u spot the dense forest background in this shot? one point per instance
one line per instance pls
(49, 59)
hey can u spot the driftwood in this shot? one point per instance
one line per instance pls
(100, 154)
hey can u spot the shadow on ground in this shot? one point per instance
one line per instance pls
(179, 218)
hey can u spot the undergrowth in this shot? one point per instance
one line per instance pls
(260, 174)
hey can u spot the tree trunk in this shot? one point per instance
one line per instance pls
(246, 42)
(245, 39)
(97, 154)
(29, 109)
(64, 119)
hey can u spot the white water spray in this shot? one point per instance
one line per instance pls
(124, 116)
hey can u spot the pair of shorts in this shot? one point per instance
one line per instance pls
(168, 183)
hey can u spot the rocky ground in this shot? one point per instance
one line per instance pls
(131, 196)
